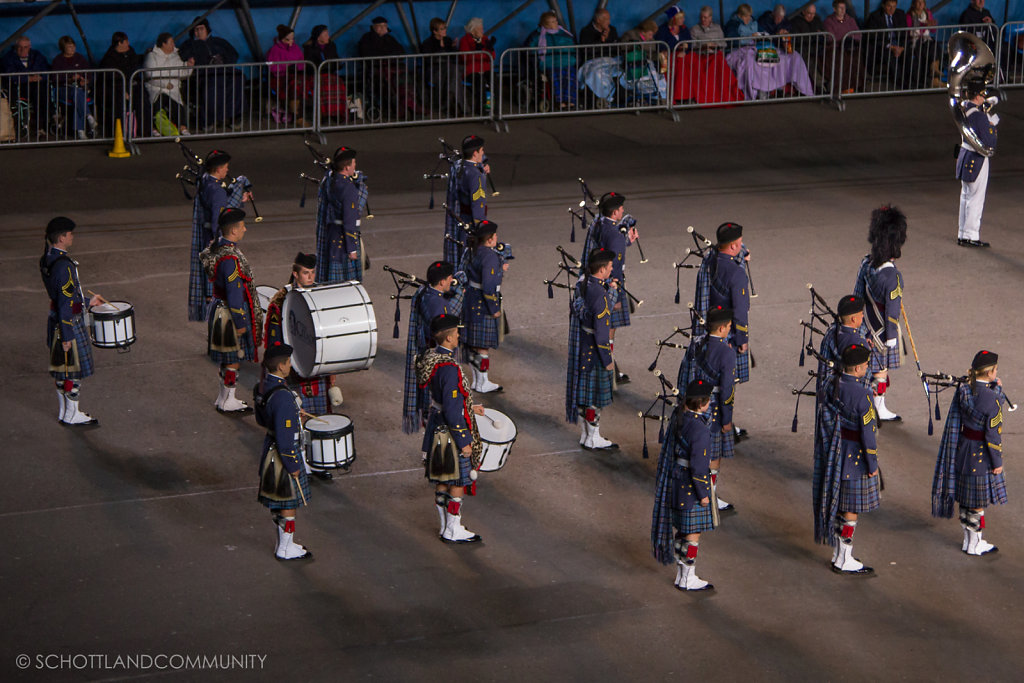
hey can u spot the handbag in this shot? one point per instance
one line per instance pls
(163, 124)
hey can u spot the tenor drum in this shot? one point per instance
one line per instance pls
(113, 325)
(331, 442)
(265, 293)
(498, 433)
(333, 329)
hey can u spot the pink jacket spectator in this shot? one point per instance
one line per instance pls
(279, 52)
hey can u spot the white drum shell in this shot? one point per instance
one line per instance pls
(331, 445)
(113, 325)
(332, 328)
(497, 441)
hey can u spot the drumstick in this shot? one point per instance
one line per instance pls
(301, 494)
(311, 416)
(97, 296)
(495, 422)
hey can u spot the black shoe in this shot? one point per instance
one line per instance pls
(862, 571)
(972, 243)
(740, 434)
(325, 475)
(622, 378)
(979, 243)
(612, 447)
(729, 507)
(709, 587)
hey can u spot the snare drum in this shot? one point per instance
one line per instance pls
(265, 293)
(332, 329)
(498, 433)
(113, 325)
(331, 442)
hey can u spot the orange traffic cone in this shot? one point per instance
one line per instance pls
(119, 151)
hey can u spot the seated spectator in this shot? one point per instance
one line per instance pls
(73, 88)
(114, 103)
(812, 49)
(383, 80)
(673, 31)
(333, 92)
(219, 92)
(558, 65)
(742, 25)
(774, 22)
(641, 33)
(477, 66)
(642, 76)
(287, 77)
(702, 75)
(977, 14)
(886, 50)
(600, 30)
(922, 46)
(840, 24)
(163, 85)
(22, 59)
(707, 32)
(319, 47)
(446, 94)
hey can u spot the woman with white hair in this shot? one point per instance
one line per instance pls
(477, 66)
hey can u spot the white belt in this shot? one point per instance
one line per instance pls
(587, 330)
(477, 285)
(683, 462)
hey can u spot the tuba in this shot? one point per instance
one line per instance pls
(972, 68)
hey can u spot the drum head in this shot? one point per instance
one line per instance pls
(111, 308)
(265, 293)
(299, 332)
(328, 426)
(495, 426)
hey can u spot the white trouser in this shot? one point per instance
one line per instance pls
(972, 203)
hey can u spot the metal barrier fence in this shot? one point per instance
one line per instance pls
(901, 60)
(60, 107)
(1011, 55)
(549, 81)
(732, 71)
(223, 99)
(404, 90)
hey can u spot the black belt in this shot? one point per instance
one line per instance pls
(972, 434)
(850, 434)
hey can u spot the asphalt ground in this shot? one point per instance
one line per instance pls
(143, 536)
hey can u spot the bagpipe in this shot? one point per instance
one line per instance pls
(502, 249)
(193, 171)
(936, 383)
(324, 162)
(665, 396)
(403, 281)
(588, 211)
(702, 246)
(572, 268)
(449, 155)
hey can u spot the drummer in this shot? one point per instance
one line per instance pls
(318, 394)
(451, 444)
(66, 334)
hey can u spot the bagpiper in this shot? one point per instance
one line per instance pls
(466, 196)
(969, 469)
(342, 198)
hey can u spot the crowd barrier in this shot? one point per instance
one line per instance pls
(62, 107)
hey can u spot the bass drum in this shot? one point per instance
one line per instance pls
(332, 328)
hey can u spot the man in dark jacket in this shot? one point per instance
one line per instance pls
(22, 59)
(220, 90)
(887, 51)
(112, 103)
(378, 41)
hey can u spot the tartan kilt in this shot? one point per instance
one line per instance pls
(465, 465)
(594, 388)
(481, 330)
(722, 445)
(889, 358)
(692, 521)
(292, 504)
(743, 367)
(859, 495)
(246, 352)
(980, 491)
(319, 404)
(620, 316)
(346, 269)
(83, 342)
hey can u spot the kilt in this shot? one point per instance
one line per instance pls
(247, 350)
(620, 315)
(291, 504)
(743, 367)
(346, 269)
(722, 445)
(82, 340)
(481, 330)
(888, 358)
(465, 466)
(594, 388)
(859, 495)
(692, 521)
(980, 491)
(319, 404)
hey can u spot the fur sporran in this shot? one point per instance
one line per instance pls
(443, 458)
(275, 482)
